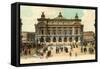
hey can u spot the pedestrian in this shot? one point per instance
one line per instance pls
(44, 50)
(25, 52)
(51, 48)
(61, 49)
(57, 50)
(73, 46)
(42, 54)
(85, 50)
(91, 50)
(75, 54)
(81, 49)
(66, 49)
(76, 46)
(70, 54)
(48, 54)
(29, 51)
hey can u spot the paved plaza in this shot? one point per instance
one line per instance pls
(76, 54)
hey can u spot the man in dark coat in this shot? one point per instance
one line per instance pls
(48, 54)
(85, 50)
(66, 49)
(61, 49)
(70, 54)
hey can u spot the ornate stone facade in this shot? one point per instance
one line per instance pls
(59, 30)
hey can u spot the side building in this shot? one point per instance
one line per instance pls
(28, 39)
(89, 37)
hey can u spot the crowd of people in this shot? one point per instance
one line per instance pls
(89, 50)
(48, 51)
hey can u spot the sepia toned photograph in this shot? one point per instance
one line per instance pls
(57, 34)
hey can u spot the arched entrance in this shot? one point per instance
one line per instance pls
(47, 39)
(42, 39)
(65, 39)
(70, 39)
(60, 39)
(76, 38)
(54, 39)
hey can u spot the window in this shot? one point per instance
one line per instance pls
(76, 39)
(54, 28)
(65, 39)
(60, 39)
(59, 28)
(59, 32)
(41, 39)
(70, 39)
(54, 39)
(76, 31)
(42, 32)
(70, 28)
(47, 39)
(65, 28)
(70, 32)
(48, 32)
(65, 32)
(54, 32)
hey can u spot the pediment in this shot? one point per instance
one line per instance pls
(77, 24)
(41, 24)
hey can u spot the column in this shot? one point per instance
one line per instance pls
(62, 31)
(68, 31)
(51, 38)
(79, 39)
(56, 31)
(73, 30)
(57, 39)
(44, 40)
(62, 39)
(44, 31)
(73, 39)
(51, 33)
(73, 33)
(36, 39)
(37, 42)
(67, 40)
(78, 31)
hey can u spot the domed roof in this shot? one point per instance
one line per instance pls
(60, 16)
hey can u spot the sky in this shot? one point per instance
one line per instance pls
(29, 15)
